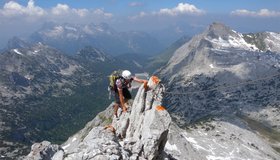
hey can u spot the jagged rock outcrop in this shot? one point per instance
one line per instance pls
(140, 133)
(145, 129)
(44, 150)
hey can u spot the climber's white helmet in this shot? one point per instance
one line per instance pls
(126, 74)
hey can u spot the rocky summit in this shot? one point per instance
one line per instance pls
(139, 133)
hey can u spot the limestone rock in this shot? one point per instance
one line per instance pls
(98, 144)
(139, 133)
(144, 130)
(220, 138)
(43, 151)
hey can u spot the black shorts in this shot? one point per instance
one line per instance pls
(126, 95)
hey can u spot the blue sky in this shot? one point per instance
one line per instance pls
(22, 17)
(116, 6)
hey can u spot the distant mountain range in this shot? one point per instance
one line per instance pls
(71, 38)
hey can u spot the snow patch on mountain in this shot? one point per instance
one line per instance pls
(71, 28)
(17, 52)
(72, 36)
(211, 65)
(171, 147)
(100, 29)
(273, 42)
(232, 42)
(36, 51)
(29, 77)
(87, 30)
(55, 32)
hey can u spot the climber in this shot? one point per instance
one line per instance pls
(121, 85)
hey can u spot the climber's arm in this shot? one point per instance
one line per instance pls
(141, 81)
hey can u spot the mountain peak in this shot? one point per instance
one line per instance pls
(218, 25)
(216, 30)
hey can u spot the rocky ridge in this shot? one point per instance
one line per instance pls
(140, 133)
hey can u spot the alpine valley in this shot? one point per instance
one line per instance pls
(46, 94)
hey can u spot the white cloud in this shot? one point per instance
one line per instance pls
(58, 30)
(181, 8)
(135, 4)
(81, 12)
(101, 12)
(12, 8)
(140, 15)
(60, 11)
(63, 9)
(260, 13)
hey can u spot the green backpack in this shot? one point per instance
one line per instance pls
(113, 77)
